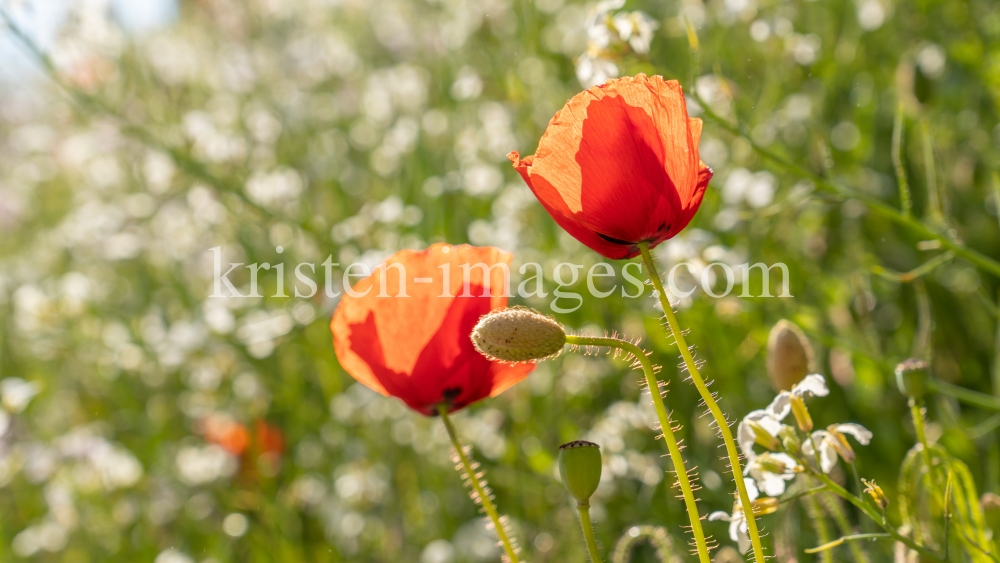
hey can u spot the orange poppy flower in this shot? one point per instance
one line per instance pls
(268, 439)
(417, 347)
(225, 432)
(618, 165)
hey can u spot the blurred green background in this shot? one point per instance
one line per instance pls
(356, 128)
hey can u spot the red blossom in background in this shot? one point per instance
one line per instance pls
(418, 348)
(618, 165)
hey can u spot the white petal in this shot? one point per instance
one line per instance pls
(625, 26)
(789, 462)
(744, 543)
(752, 490)
(780, 406)
(745, 435)
(734, 528)
(605, 6)
(862, 434)
(639, 44)
(812, 385)
(720, 515)
(827, 456)
(773, 484)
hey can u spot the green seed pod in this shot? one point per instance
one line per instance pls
(580, 469)
(789, 355)
(518, 335)
(911, 378)
(790, 440)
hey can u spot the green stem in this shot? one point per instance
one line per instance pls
(918, 425)
(843, 539)
(898, 130)
(476, 485)
(588, 532)
(833, 507)
(819, 524)
(680, 468)
(706, 395)
(864, 507)
(964, 395)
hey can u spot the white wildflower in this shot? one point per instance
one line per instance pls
(769, 419)
(832, 441)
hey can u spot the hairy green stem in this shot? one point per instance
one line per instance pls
(836, 511)
(680, 468)
(588, 532)
(713, 406)
(819, 525)
(484, 498)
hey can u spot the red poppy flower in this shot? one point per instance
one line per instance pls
(417, 347)
(618, 165)
(223, 431)
(268, 439)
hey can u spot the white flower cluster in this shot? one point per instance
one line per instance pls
(607, 36)
(788, 453)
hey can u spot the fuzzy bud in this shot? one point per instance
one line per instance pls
(580, 469)
(911, 378)
(518, 334)
(789, 355)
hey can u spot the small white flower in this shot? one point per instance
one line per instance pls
(739, 530)
(770, 418)
(594, 68)
(831, 442)
(598, 24)
(636, 29)
(771, 471)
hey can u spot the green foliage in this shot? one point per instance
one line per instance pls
(353, 129)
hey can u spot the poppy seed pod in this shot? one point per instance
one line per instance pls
(518, 335)
(911, 378)
(789, 355)
(580, 469)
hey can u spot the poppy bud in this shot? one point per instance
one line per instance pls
(580, 469)
(911, 378)
(517, 335)
(789, 355)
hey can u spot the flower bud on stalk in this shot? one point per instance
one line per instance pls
(911, 378)
(789, 355)
(766, 505)
(764, 438)
(790, 440)
(801, 413)
(518, 335)
(876, 492)
(580, 469)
